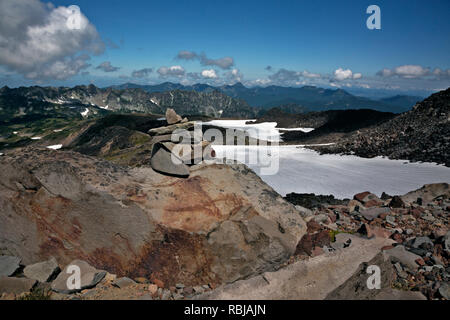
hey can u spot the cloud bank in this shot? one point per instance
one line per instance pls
(36, 42)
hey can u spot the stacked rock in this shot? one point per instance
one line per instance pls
(178, 146)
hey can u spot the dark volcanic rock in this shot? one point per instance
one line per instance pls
(311, 201)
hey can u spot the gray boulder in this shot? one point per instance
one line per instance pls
(89, 278)
(9, 265)
(373, 213)
(42, 271)
(162, 162)
(406, 258)
(16, 285)
(422, 242)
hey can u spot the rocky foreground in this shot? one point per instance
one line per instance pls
(221, 224)
(407, 237)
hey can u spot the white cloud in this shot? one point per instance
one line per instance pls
(210, 74)
(410, 71)
(173, 71)
(36, 42)
(347, 74)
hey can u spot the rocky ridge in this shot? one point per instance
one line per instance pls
(422, 134)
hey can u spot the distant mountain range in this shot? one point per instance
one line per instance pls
(90, 100)
(308, 97)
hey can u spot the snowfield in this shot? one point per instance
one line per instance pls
(303, 170)
(264, 131)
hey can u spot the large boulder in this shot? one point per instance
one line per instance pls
(221, 224)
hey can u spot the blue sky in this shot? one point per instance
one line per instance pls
(294, 37)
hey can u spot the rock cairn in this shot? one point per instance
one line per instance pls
(177, 147)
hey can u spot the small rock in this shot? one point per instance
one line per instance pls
(391, 220)
(141, 280)
(428, 217)
(188, 290)
(373, 213)
(444, 290)
(361, 196)
(166, 294)
(355, 205)
(396, 202)
(321, 218)
(109, 277)
(158, 282)
(179, 286)
(153, 289)
(89, 275)
(304, 212)
(172, 117)
(123, 282)
(447, 242)
(9, 265)
(422, 243)
(42, 271)
(199, 289)
(178, 296)
(366, 230)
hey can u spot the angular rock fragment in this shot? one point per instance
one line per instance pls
(172, 117)
(66, 282)
(42, 271)
(163, 162)
(123, 282)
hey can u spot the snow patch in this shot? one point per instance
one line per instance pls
(36, 138)
(85, 112)
(303, 170)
